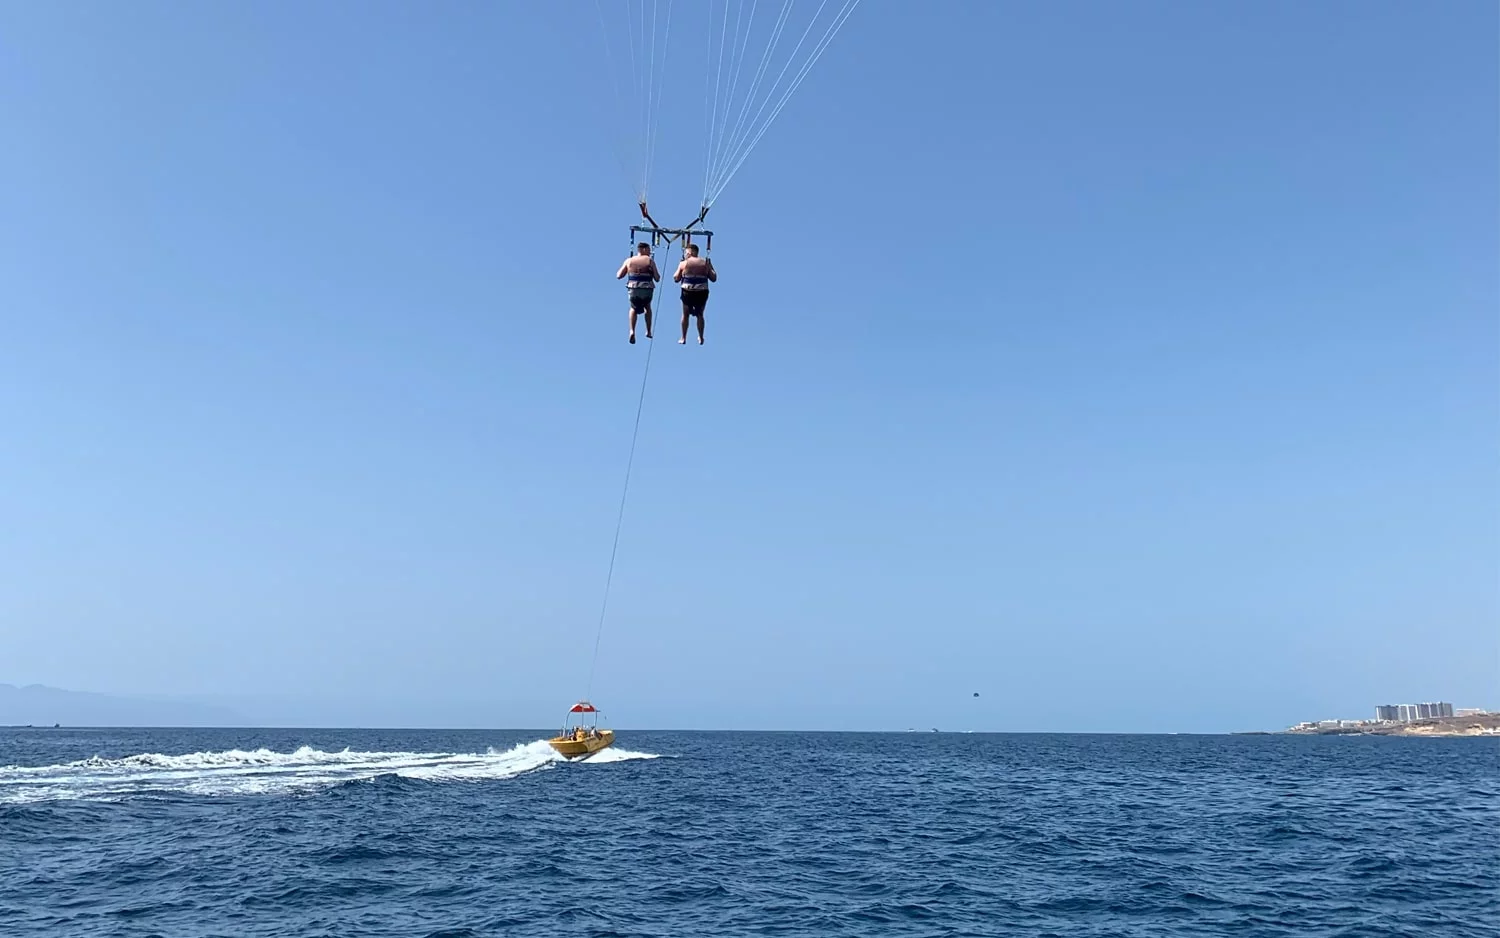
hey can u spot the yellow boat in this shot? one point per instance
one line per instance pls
(580, 740)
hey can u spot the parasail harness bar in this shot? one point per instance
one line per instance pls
(660, 235)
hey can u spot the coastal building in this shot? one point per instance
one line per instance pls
(1406, 713)
(1470, 712)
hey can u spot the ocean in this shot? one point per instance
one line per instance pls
(350, 833)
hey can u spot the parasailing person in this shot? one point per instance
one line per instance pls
(640, 274)
(694, 273)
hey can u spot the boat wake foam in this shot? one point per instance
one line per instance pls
(265, 771)
(616, 754)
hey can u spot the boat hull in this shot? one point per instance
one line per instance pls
(572, 748)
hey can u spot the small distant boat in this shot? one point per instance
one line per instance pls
(580, 740)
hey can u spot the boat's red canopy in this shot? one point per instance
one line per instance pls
(583, 706)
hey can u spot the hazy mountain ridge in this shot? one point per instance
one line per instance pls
(40, 705)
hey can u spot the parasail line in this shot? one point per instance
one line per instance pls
(620, 516)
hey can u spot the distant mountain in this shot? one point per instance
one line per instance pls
(39, 705)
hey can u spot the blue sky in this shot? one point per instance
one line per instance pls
(1133, 365)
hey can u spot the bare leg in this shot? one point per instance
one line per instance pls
(683, 340)
(700, 328)
(632, 325)
(648, 320)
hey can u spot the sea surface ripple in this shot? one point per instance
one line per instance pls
(448, 834)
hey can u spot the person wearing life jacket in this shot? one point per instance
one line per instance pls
(641, 274)
(695, 274)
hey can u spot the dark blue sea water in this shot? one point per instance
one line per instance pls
(355, 833)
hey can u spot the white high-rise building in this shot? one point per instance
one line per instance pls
(1406, 713)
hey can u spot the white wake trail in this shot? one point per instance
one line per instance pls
(265, 771)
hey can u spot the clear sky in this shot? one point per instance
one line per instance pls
(1133, 365)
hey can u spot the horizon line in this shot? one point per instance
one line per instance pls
(523, 729)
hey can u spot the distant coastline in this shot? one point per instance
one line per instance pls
(1473, 724)
(38, 706)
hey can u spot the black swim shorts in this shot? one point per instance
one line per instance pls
(693, 301)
